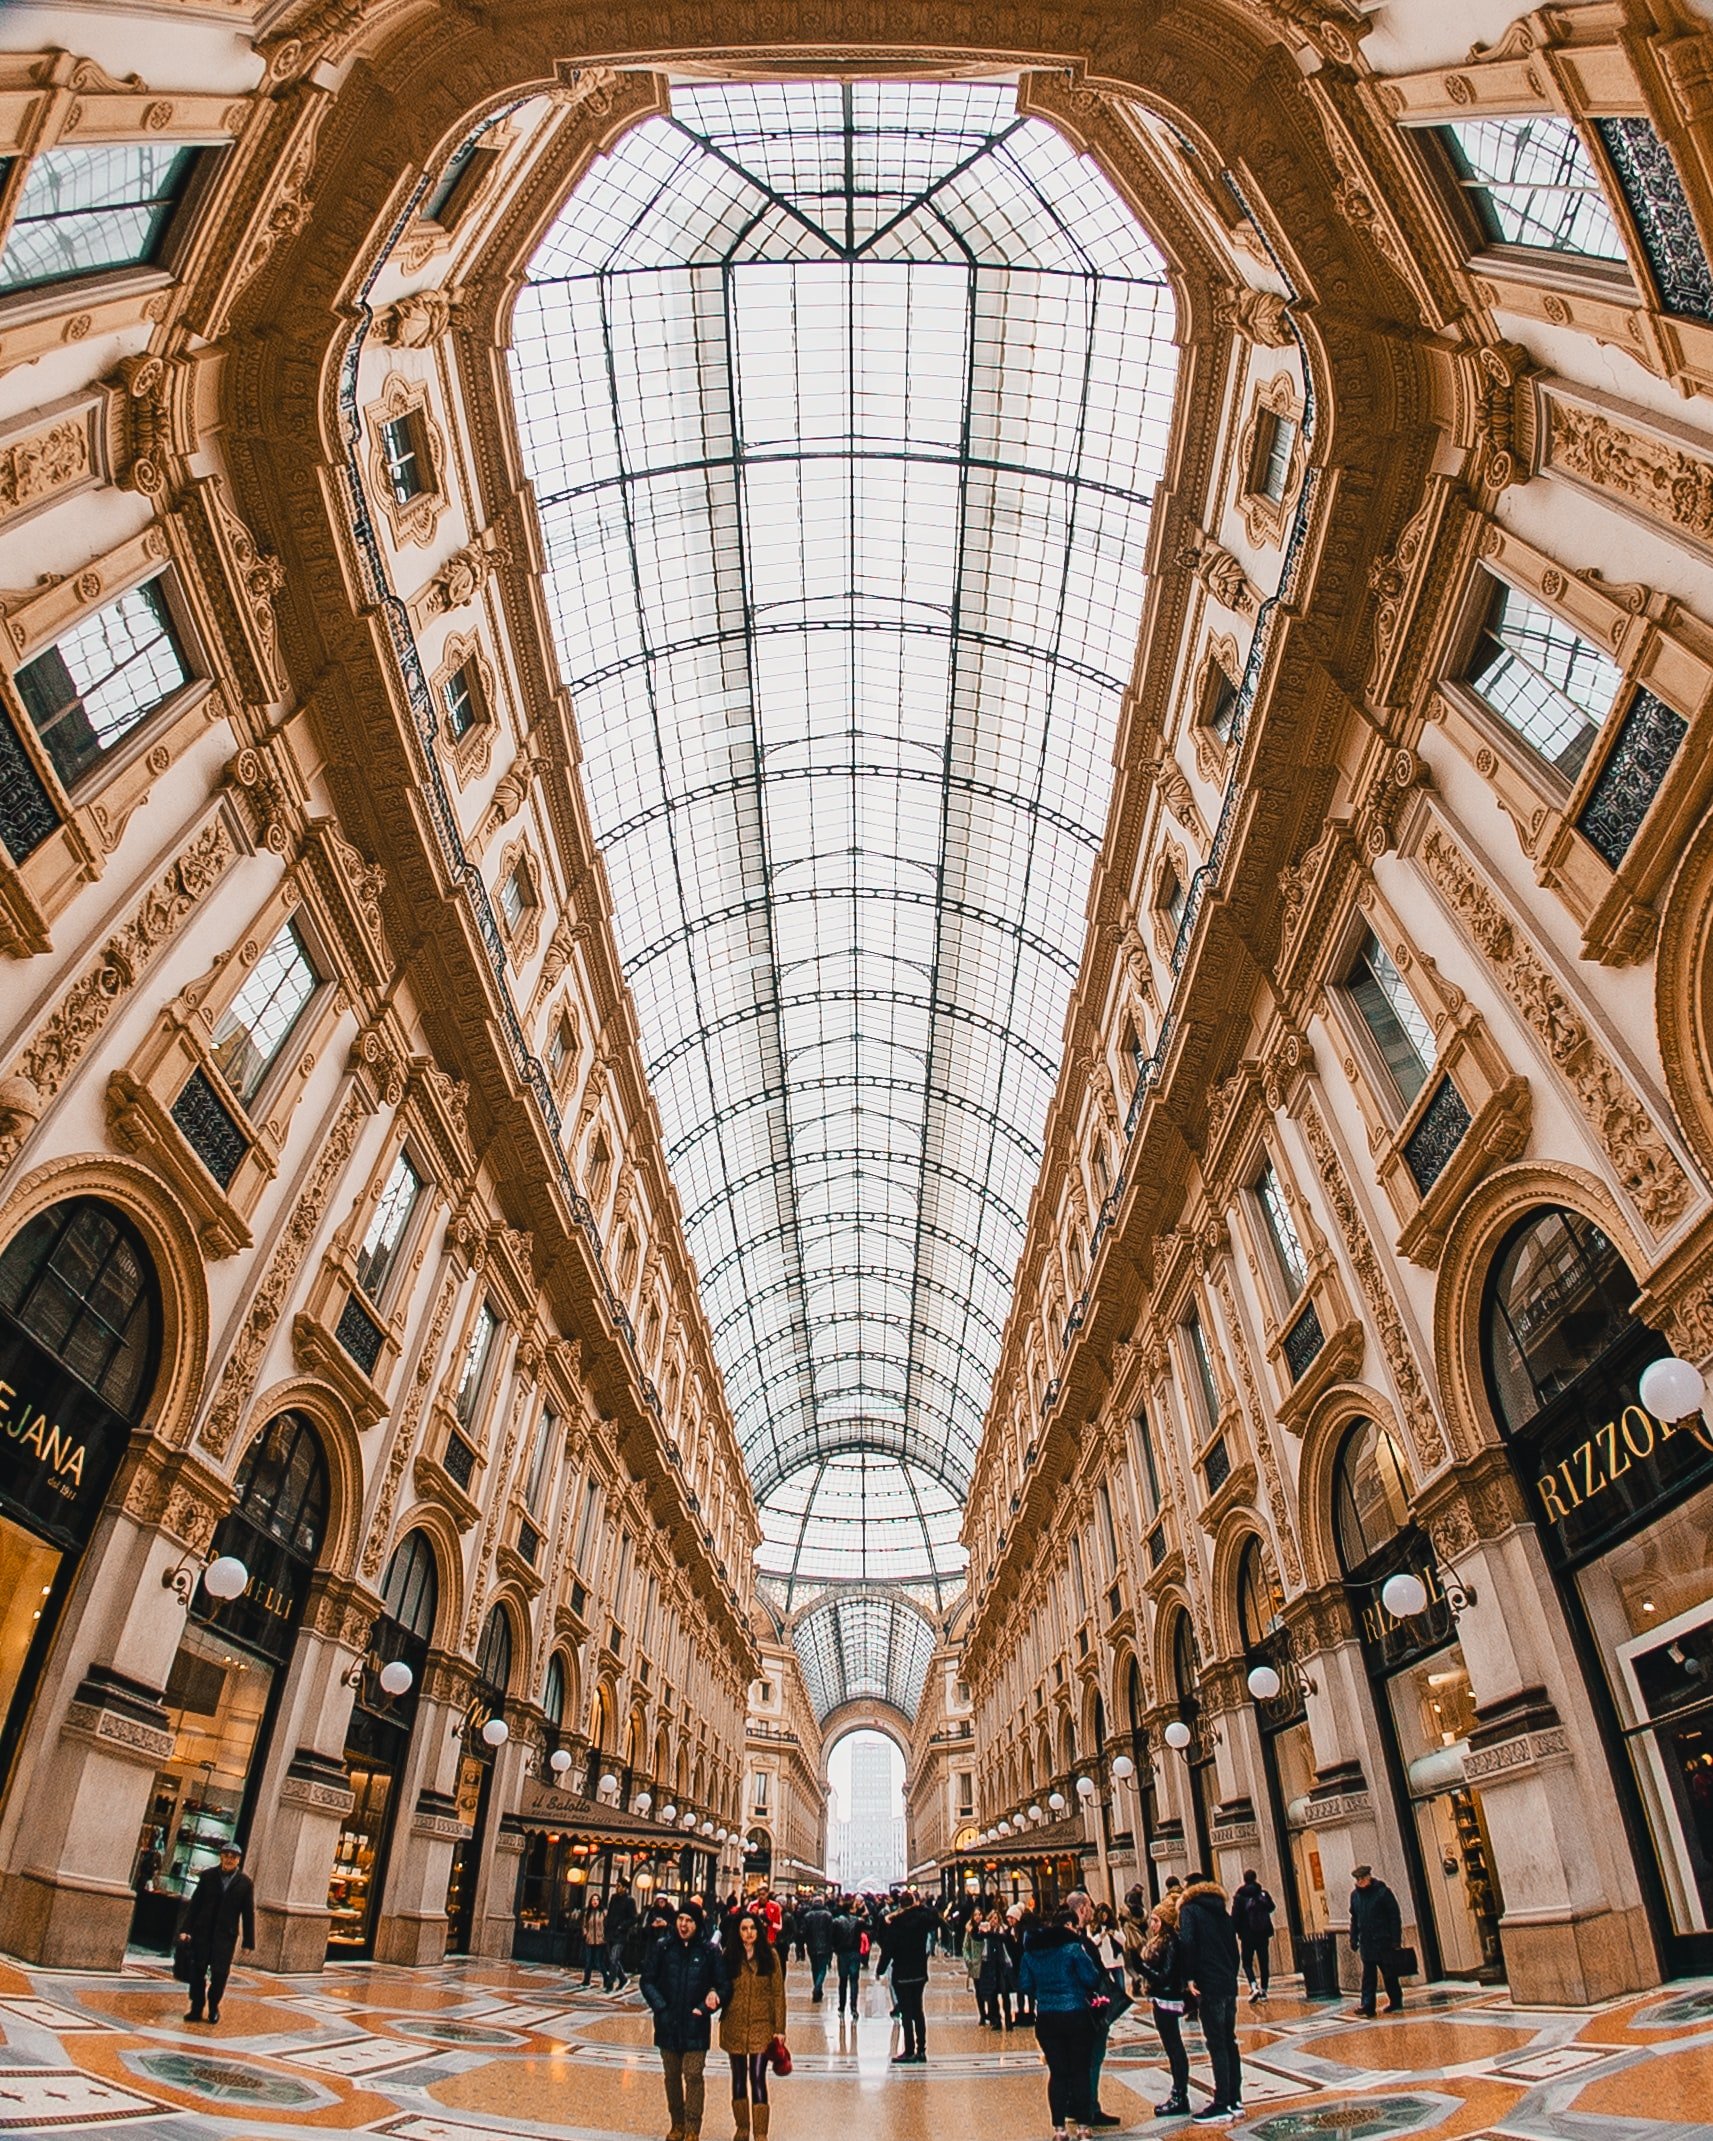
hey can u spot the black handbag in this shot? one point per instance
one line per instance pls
(182, 1967)
(1405, 1964)
(1119, 2000)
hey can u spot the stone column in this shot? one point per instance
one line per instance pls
(426, 1828)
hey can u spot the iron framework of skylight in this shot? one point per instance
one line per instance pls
(844, 406)
(863, 1646)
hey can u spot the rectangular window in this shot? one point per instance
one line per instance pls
(401, 451)
(546, 1434)
(558, 1051)
(109, 673)
(1219, 708)
(1542, 679)
(760, 1800)
(1195, 1338)
(1532, 183)
(1108, 1530)
(966, 1792)
(1079, 1582)
(1392, 1016)
(459, 701)
(475, 1371)
(83, 211)
(1150, 1477)
(1273, 451)
(449, 201)
(380, 1248)
(514, 897)
(1172, 900)
(1281, 1231)
(586, 1524)
(259, 1020)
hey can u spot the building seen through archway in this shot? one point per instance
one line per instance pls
(856, 899)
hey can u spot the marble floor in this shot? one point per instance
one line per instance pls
(479, 2051)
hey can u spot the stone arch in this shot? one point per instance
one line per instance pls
(661, 1766)
(567, 1656)
(1489, 1214)
(604, 1716)
(1066, 1736)
(1323, 1437)
(1091, 1727)
(171, 1407)
(1173, 1601)
(432, 1518)
(864, 1715)
(1683, 997)
(635, 1750)
(515, 1607)
(1233, 1536)
(341, 1445)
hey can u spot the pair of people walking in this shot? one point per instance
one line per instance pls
(686, 1981)
(1190, 1950)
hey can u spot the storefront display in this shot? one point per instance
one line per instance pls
(474, 1788)
(1623, 1502)
(79, 1342)
(1433, 1711)
(223, 1687)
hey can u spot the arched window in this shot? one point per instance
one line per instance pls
(553, 1692)
(1184, 1659)
(1259, 1600)
(410, 1590)
(275, 1529)
(494, 1655)
(1559, 1297)
(1370, 1495)
(78, 1279)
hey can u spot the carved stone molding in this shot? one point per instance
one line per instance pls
(1220, 573)
(46, 464)
(414, 322)
(1260, 316)
(1644, 1164)
(1479, 1500)
(1647, 471)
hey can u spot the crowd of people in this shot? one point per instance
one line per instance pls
(1068, 1974)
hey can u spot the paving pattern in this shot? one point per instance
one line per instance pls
(483, 2051)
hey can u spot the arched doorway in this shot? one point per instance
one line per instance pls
(1287, 1753)
(1424, 1705)
(476, 1776)
(1142, 1783)
(1198, 1755)
(377, 1743)
(1624, 1506)
(80, 1325)
(223, 1691)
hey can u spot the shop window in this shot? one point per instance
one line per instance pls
(1548, 684)
(1558, 1299)
(78, 1281)
(84, 211)
(1392, 1017)
(258, 1022)
(472, 1378)
(1259, 1599)
(109, 673)
(381, 1244)
(1281, 1232)
(1532, 183)
(1370, 1495)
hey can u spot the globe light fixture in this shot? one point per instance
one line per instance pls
(495, 1732)
(707, 1828)
(225, 1577)
(1123, 1768)
(1264, 1683)
(642, 1802)
(1056, 1800)
(396, 1678)
(1035, 1814)
(1178, 1734)
(559, 1761)
(608, 1783)
(689, 1821)
(1672, 1389)
(669, 1813)
(1403, 1595)
(1085, 1788)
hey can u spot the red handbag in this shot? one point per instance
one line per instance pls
(779, 2056)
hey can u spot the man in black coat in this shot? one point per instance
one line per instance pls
(1207, 1945)
(222, 1904)
(683, 1983)
(815, 1927)
(846, 1935)
(1376, 1933)
(907, 1935)
(621, 1917)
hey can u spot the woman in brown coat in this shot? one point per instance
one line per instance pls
(753, 2016)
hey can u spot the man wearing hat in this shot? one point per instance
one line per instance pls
(224, 1901)
(681, 1983)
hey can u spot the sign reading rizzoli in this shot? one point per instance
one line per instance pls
(1592, 1485)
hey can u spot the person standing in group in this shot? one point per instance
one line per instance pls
(1376, 1933)
(1208, 1943)
(621, 1916)
(908, 1933)
(815, 1929)
(1019, 1924)
(1133, 1930)
(1098, 1928)
(847, 1935)
(222, 1905)
(1063, 1982)
(681, 1981)
(754, 2016)
(595, 1943)
(1252, 1915)
(1161, 1966)
(996, 1975)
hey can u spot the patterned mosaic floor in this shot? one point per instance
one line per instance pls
(481, 2051)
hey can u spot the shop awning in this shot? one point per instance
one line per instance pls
(542, 1807)
(1053, 1839)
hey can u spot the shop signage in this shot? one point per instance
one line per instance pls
(1600, 1460)
(58, 1442)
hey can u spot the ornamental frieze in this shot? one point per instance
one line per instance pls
(1644, 470)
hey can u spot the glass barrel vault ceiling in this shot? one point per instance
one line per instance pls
(844, 407)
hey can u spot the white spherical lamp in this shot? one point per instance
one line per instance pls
(642, 1802)
(1178, 1734)
(1085, 1787)
(707, 1828)
(559, 1761)
(1264, 1683)
(1036, 1814)
(669, 1813)
(689, 1821)
(1123, 1768)
(396, 1677)
(608, 1783)
(496, 1732)
(1403, 1595)
(1056, 1800)
(1671, 1389)
(225, 1577)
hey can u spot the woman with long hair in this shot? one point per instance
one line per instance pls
(1163, 1974)
(753, 2016)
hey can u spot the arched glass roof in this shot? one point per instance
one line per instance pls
(864, 1645)
(844, 405)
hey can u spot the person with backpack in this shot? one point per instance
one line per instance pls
(849, 1937)
(815, 1930)
(1252, 1915)
(1067, 1988)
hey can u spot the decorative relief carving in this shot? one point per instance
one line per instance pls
(1504, 416)
(59, 1044)
(1278, 1502)
(461, 578)
(1220, 573)
(267, 1309)
(34, 468)
(405, 1430)
(1260, 316)
(414, 322)
(1426, 1434)
(1641, 1159)
(1659, 478)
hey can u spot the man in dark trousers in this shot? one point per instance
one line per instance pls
(1376, 1933)
(621, 1917)
(681, 1982)
(908, 1932)
(222, 1904)
(1207, 1944)
(1252, 1914)
(815, 1927)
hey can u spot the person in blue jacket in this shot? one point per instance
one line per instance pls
(1068, 1988)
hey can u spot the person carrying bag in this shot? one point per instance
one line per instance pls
(752, 2026)
(1160, 1961)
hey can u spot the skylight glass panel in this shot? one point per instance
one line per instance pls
(845, 405)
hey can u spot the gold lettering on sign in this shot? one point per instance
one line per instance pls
(53, 1445)
(1611, 1451)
